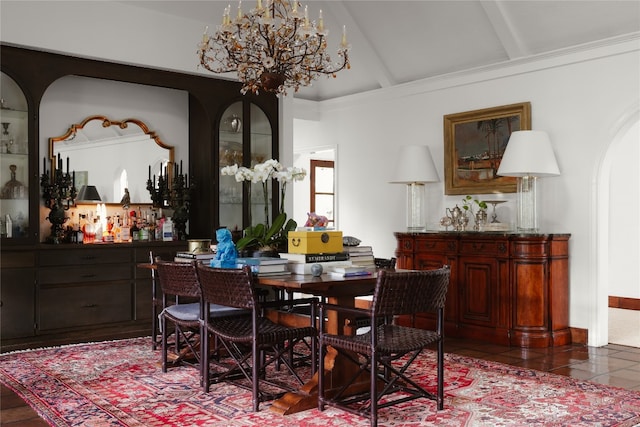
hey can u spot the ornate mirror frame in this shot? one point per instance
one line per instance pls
(122, 133)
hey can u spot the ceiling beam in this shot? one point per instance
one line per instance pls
(507, 34)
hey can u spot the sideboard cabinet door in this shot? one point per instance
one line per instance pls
(17, 294)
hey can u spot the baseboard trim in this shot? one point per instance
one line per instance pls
(624, 303)
(579, 336)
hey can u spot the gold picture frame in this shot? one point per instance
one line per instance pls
(474, 142)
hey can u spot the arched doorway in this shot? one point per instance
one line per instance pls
(616, 222)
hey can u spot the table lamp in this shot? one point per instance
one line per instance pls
(528, 155)
(88, 193)
(414, 168)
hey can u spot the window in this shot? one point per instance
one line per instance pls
(322, 189)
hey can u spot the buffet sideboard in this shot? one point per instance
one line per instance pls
(62, 294)
(506, 288)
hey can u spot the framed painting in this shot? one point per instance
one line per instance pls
(474, 142)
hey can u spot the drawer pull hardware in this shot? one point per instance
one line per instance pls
(88, 257)
(89, 305)
(324, 237)
(295, 241)
(85, 276)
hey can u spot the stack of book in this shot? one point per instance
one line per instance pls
(301, 263)
(263, 266)
(184, 256)
(361, 256)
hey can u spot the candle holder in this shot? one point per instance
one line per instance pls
(59, 193)
(176, 196)
(159, 194)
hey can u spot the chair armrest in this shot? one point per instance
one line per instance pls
(352, 310)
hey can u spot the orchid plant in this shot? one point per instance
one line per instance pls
(267, 235)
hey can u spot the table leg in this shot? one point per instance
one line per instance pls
(337, 370)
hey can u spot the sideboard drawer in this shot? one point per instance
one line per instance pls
(87, 256)
(84, 274)
(489, 247)
(73, 306)
(435, 245)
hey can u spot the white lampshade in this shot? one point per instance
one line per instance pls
(529, 153)
(414, 167)
(415, 164)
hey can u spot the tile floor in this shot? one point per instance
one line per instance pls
(614, 364)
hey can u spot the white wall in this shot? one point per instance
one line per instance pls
(578, 104)
(624, 216)
(577, 96)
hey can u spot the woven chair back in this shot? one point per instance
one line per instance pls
(230, 287)
(410, 292)
(178, 278)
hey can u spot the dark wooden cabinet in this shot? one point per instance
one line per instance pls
(17, 293)
(510, 289)
(59, 294)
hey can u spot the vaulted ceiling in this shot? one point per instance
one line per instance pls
(395, 42)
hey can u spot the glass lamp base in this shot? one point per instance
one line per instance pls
(527, 215)
(415, 207)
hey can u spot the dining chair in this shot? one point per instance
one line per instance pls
(386, 352)
(253, 342)
(182, 306)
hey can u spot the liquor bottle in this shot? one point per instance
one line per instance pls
(135, 231)
(151, 226)
(125, 230)
(167, 230)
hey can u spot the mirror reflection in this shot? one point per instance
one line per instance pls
(113, 156)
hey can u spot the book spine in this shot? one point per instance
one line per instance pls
(342, 256)
(186, 256)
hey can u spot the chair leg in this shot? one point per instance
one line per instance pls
(320, 377)
(373, 408)
(204, 359)
(255, 369)
(163, 326)
(440, 369)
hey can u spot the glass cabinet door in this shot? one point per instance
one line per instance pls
(231, 153)
(14, 161)
(245, 140)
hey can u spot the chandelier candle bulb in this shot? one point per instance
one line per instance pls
(320, 23)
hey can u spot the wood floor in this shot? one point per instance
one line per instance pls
(614, 365)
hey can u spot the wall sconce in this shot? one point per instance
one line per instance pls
(529, 155)
(414, 168)
(88, 193)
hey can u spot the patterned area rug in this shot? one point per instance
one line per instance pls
(120, 384)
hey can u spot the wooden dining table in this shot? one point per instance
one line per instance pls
(336, 290)
(340, 291)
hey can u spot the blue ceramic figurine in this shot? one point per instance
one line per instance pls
(226, 253)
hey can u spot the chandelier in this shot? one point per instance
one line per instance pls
(272, 48)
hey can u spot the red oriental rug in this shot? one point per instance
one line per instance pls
(120, 384)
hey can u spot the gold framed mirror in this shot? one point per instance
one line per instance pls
(113, 155)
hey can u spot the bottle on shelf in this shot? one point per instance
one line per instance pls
(167, 230)
(9, 226)
(135, 230)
